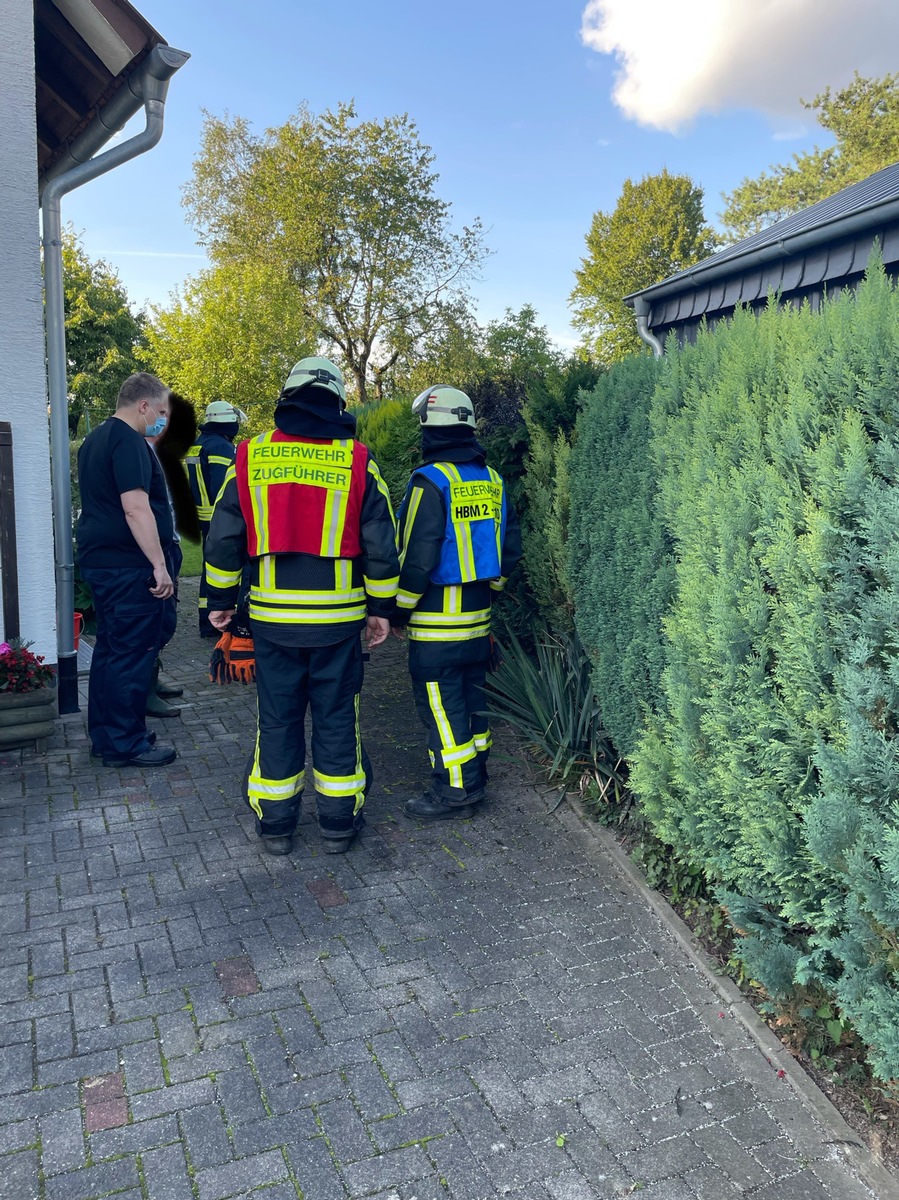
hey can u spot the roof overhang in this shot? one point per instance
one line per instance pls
(734, 262)
(85, 53)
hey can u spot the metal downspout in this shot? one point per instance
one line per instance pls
(641, 311)
(154, 75)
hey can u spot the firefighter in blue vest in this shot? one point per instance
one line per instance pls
(207, 462)
(306, 507)
(458, 541)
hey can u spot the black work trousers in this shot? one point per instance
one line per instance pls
(448, 688)
(131, 628)
(327, 679)
(207, 629)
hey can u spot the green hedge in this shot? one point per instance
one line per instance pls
(619, 557)
(393, 435)
(742, 603)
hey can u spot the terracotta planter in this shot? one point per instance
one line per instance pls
(26, 718)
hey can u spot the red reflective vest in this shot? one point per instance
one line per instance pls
(301, 495)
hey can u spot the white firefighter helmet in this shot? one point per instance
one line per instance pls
(319, 373)
(220, 412)
(443, 405)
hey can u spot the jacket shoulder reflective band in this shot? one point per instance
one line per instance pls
(301, 495)
(206, 462)
(476, 507)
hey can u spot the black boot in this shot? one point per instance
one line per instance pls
(432, 809)
(168, 691)
(156, 706)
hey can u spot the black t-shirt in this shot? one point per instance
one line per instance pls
(113, 459)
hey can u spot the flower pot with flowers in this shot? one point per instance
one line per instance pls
(27, 695)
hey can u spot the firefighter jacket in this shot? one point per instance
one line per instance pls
(313, 518)
(207, 462)
(458, 541)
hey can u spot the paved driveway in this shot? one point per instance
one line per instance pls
(457, 1011)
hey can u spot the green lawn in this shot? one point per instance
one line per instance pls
(193, 559)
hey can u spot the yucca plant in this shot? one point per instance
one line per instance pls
(548, 698)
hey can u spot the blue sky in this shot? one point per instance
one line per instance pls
(519, 109)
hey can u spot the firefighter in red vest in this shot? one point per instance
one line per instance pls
(306, 506)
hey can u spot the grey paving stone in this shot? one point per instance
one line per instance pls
(315, 1170)
(241, 1176)
(93, 1182)
(205, 1136)
(167, 1174)
(132, 1139)
(19, 1179)
(386, 1170)
(172, 1099)
(284, 1130)
(63, 1142)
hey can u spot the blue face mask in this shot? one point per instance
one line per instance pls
(156, 428)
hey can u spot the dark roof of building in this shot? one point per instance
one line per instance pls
(84, 52)
(823, 244)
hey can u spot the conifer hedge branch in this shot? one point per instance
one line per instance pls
(734, 556)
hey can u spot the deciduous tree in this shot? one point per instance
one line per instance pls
(232, 333)
(863, 118)
(104, 336)
(348, 209)
(656, 229)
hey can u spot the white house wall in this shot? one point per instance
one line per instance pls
(23, 379)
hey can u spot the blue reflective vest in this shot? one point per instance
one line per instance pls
(475, 501)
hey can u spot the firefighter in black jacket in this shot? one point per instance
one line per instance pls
(458, 542)
(306, 506)
(207, 462)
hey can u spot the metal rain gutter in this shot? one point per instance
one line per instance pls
(147, 88)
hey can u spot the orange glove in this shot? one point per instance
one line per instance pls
(241, 657)
(218, 664)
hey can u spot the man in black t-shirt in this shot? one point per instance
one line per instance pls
(125, 534)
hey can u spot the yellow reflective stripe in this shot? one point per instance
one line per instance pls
(498, 522)
(338, 785)
(382, 487)
(266, 595)
(204, 513)
(360, 770)
(219, 460)
(497, 585)
(408, 599)
(254, 770)
(259, 788)
(483, 741)
(409, 520)
(452, 756)
(452, 599)
(443, 618)
(335, 515)
(435, 702)
(221, 579)
(258, 501)
(447, 635)
(381, 587)
(193, 460)
(307, 616)
(461, 529)
(276, 789)
(267, 574)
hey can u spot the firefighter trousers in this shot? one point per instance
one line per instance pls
(207, 629)
(449, 700)
(327, 680)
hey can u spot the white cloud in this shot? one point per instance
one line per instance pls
(680, 58)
